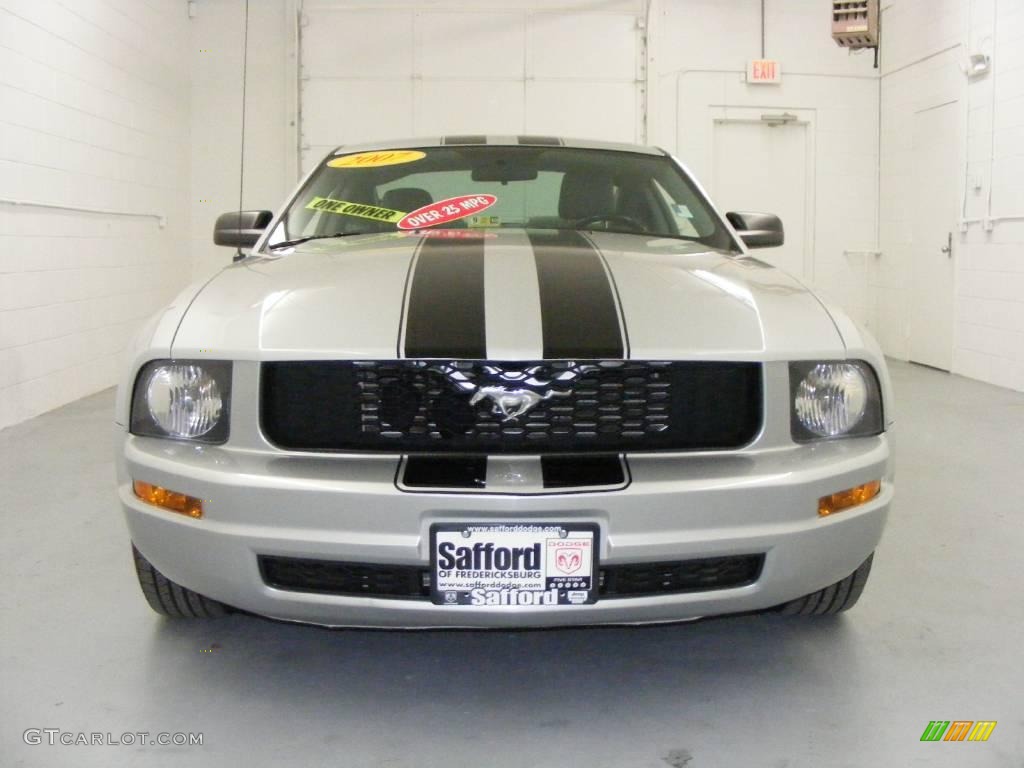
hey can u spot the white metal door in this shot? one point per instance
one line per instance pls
(394, 70)
(936, 170)
(763, 166)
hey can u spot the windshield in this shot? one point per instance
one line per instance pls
(474, 187)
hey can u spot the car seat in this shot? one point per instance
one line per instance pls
(406, 199)
(585, 194)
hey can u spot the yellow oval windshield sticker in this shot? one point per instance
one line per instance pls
(377, 159)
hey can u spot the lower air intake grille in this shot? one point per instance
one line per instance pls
(333, 578)
(411, 406)
(410, 582)
(646, 579)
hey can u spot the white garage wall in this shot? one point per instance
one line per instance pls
(216, 35)
(93, 112)
(700, 49)
(920, 57)
(925, 46)
(391, 69)
(989, 331)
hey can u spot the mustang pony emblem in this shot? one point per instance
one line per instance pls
(510, 404)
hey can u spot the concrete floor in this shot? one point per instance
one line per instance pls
(937, 635)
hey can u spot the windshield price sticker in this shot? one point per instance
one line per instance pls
(514, 564)
(445, 211)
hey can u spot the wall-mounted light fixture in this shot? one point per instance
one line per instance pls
(978, 64)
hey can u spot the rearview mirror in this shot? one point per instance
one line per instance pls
(504, 171)
(240, 229)
(758, 230)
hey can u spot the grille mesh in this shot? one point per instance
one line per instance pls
(338, 578)
(411, 582)
(685, 576)
(619, 400)
(423, 405)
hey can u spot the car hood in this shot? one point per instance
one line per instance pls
(505, 295)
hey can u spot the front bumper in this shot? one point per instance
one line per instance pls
(348, 508)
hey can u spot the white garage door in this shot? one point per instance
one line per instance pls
(389, 71)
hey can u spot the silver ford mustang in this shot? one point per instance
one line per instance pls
(502, 382)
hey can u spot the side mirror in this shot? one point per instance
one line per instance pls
(240, 229)
(758, 230)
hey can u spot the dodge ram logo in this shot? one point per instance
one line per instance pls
(569, 560)
(527, 390)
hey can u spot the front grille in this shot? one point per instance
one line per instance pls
(412, 582)
(413, 406)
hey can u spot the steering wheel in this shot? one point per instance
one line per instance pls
(629, 221)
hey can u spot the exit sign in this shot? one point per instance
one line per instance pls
(764, 71)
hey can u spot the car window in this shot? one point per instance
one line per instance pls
(680, 213)
(516, 204)
(492, 186)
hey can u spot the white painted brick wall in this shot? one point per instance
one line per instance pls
(705, 46)
(990, 287)
(926, 42)
(215, 66)
(94, 111)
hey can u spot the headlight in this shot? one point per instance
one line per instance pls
(834, 399)
(183, 399)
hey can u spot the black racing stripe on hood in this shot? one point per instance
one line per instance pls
(444, 316)
(578, 304)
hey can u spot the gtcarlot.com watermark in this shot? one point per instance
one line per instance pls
(55, 736)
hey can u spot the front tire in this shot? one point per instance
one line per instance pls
(170, 599)
(833, 599)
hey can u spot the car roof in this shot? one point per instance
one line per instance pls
(468, 140)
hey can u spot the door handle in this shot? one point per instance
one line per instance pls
(948, 250)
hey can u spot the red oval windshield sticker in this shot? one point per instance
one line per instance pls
(445, 211)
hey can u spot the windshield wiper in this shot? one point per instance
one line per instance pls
(307, 238)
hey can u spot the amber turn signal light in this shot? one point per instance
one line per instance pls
(851, 497)
(175, 502)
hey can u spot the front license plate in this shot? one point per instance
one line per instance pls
(502, 564)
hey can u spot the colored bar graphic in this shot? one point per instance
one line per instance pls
(958, 730)
(982, 730)
(934, 730)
